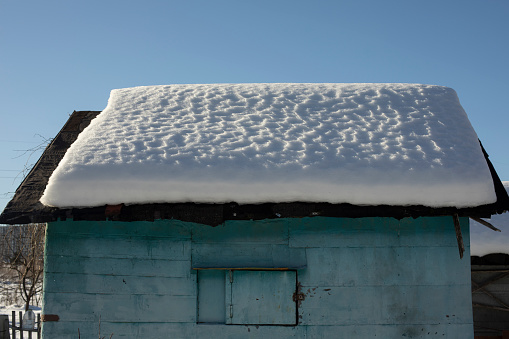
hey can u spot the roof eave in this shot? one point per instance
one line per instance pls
(216, 214)
(25, 206)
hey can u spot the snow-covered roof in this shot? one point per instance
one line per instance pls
(484, 240)
(364, 144)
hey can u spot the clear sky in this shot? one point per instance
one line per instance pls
(60, 56)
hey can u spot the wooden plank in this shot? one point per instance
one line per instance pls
(419, 331)
(141, 248)
(374, 232)
(118, 229)
(485, 223)
(330, 305)
(90, 329)
(376, 266)
(211, 296)
(119, 284)
(200, 269)
(332, 232)
(188, 330)
(171, 330)
(121, 308)
(385, 305)
(158, 330)
(274, 231)
(247, 255)
(229, 331)
(459, 236)
(127, 266)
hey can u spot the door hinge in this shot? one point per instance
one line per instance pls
(231, 311)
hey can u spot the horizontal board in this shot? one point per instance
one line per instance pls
(109, 266)
(385, 305)
(90, 329)
(247, 255)
(141, 248)
(419, 331)
(65, 330)
(119, 284)
(116, 229)
(368, 266)
(244, 331)
(376, 232)
(121, 308)
(273, 231)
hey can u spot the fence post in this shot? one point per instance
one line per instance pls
(13, 324)
(4, 321)
(39, 328)
(20, 325)
(4, 326)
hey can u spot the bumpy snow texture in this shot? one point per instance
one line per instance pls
(365, 144)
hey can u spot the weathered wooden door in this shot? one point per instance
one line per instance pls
(261, 297)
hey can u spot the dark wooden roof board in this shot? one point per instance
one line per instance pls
(25, 206)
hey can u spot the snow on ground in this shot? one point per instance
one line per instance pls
(363, 144)
(484, 240)
(7, 309)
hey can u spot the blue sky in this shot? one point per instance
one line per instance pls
(60, 56)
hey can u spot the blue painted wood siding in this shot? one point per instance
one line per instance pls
(361, 278)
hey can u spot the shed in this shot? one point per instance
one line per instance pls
(261, 210)
(490, 278)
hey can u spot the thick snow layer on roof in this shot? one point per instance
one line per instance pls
(484, 240)
(365, 144)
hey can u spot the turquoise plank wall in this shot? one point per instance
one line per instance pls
(361, 278)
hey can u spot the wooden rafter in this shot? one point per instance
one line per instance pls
(485, 223)
(459, 237)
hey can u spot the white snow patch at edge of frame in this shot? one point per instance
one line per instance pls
(364, 144)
